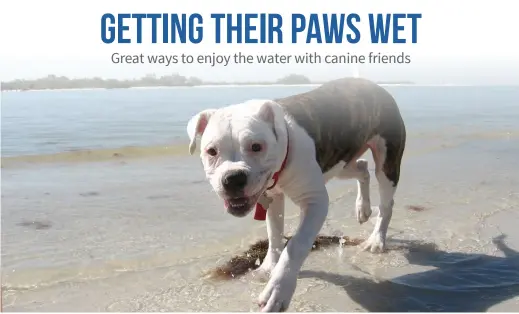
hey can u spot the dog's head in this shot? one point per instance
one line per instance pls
(241, 147)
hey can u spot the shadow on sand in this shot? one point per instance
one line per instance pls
(460, 282)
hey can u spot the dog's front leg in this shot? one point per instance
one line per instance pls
(280, 288)
(275, 228)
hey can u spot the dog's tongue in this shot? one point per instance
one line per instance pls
(260, 213)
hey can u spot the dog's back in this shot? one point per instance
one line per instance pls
(341, 116)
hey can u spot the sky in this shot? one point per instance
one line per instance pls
(459, 42)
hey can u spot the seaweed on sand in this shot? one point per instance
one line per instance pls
(416, 208)
(253, 257)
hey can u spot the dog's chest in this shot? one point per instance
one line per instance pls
(276, 190)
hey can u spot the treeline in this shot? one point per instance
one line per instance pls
(150, 80)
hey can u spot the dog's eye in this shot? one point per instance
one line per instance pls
(212, 151)
(256, 147)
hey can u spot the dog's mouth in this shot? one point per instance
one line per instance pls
(241, 206)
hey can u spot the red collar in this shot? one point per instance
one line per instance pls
(261, 212)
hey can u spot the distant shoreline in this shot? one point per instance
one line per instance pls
(53, 82)
(227, 86)
(182, 87)
(151, 81)
(160, 87)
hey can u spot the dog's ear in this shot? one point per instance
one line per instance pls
(271, 112)
(196, 127)
(266, 112)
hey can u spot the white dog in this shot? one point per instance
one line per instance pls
(265, 149)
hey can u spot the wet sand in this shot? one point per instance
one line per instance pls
(137, 234)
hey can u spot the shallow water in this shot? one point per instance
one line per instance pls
(51, 122)
(135, 232)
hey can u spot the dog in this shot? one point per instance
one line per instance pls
(256, 152)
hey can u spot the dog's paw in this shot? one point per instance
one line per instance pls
(363, 211)
(375, 243)
(263, 272)
(267, 266)
(278, 293)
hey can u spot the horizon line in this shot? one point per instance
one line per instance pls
(248, 85)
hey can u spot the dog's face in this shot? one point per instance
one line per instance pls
(241, 147)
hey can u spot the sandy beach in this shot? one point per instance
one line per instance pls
(469, 218)
(136, 229)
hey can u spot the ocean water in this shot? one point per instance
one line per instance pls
(42, 122)
(101, 202)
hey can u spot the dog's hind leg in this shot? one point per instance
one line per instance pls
(388, 157)
(359, 170)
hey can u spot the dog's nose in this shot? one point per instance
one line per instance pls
(235, 180)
